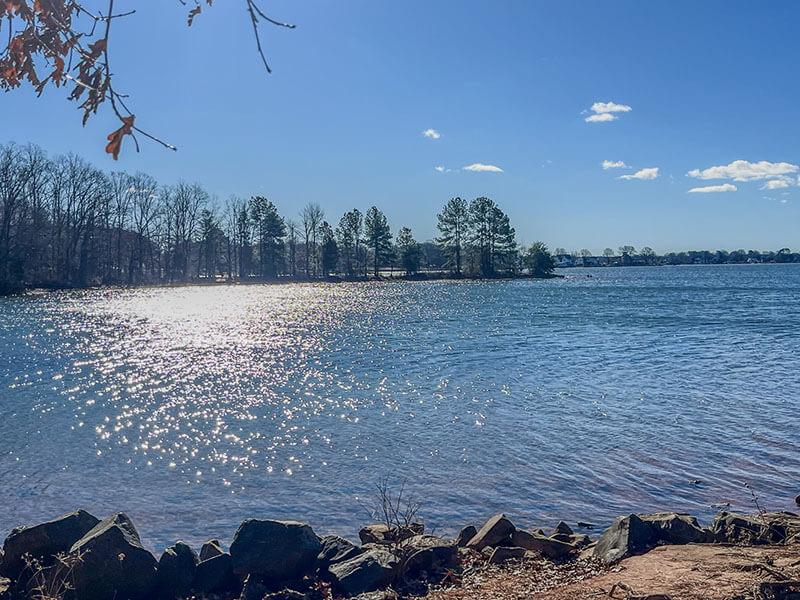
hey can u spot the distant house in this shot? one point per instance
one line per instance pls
(594, 261)
(564, 260)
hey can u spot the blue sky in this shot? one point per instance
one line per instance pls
(681, 87)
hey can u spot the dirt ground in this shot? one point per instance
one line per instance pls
(692, 572)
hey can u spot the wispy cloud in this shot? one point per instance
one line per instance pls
(611, 164)
(484, 168)
(605, 111)
(601, 118)
(648, 173)
(725, 187)
(440, 169)
(776, 184)
(742, 170)
(432, 133)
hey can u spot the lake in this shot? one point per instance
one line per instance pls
(608, 391)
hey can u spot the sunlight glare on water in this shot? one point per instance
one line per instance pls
(192, 408)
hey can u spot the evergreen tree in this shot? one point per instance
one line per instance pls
(453, 225)
(378, 238)
(409, 251)
(348, 234)
(210, 237)
(330, 252)
(492, 237)
(539, 261)
(270, 231)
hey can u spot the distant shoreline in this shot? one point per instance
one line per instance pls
(437, 276)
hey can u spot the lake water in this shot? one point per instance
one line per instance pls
(608, 391)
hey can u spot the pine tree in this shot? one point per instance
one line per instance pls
(378, 237)
(453, 225)
(409, 251)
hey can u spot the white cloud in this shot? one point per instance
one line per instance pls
(604, 112)
(608, 164)
(648, 173)
(601, 118)
(610, 107)
(482, 167)
(776, 184)
(725, 187)
(432, 133)
(440, 169)
(742, 170)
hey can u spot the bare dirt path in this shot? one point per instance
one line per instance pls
(691, 572)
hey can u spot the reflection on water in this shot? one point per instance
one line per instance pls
(192, 408)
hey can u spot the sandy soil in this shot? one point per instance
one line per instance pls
(692, 572)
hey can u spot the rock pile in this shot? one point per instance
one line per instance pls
(280, 560)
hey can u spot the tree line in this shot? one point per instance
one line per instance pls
(65, 223)
(628, 256)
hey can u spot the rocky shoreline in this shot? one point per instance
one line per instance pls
(79, 557)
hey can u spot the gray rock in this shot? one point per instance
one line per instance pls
(627, 536)
(374, 534)
(580, 540)
(286, 595)
(503, 553)
(253, 588)
(465, 535)
(389, 594)
(114, 564)
(215, 575)
(278, 550)
(767, 528)
(366, 572)
(494, 531)
(547, 547)
(781, 590)
(676, 528)
(562, 528)
(210, 549)
(383, 534)
(336, 549)
(429, 553)
(43, 541)
(176, 571)
(797, 499)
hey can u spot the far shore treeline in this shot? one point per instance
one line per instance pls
(65, 223)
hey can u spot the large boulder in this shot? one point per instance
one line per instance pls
(429, 553)
(627, 536)
(210, 549)
(369, 571)
(781, 590)
(277, 550)
(176, 571)
(374, 534)
(495, 530)
(766, 528)
(43, 541)
(562, 528)
(383, 534)
(113, 563)
(254, 588)
(215, 575)
(503, 553)
(336, 549)
(676, 528)
(465, 535)
(546, 546)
